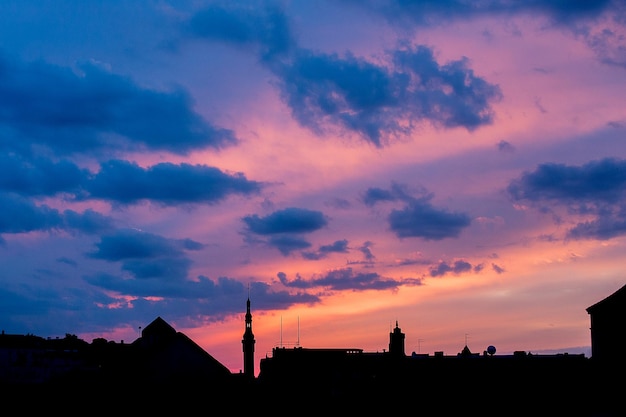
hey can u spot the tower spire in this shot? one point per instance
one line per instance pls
(248, 342)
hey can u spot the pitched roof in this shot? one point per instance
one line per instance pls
(158, 327)
(618, 297)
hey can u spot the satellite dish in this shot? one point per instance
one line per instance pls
(491, 349)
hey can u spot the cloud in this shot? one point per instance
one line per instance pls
(189, 301)
(89, 221)
(504, 146)
(287, 244)
(264, 29)
(339, 246)
(133, 244)
(19, 215)
(122, 181)
(379, 102)
(397, 192)
(600, 180)
(596, 189)
(284, 228)
(439, 12)
(443, 268)
(289, 220)
(420, 219)
(366, 250)
(166, 268)
(220, 297)
(146, 255)
(601, 24)
(39, 176)
(347, 279)
(91, 110)
(109, 298)
(166, 183)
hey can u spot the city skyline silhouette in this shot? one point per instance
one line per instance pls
(168, 362)
(457, 167)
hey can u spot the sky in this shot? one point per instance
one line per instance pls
(456, 167)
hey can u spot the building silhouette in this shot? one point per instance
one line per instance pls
(396, 341)
(608, 327)
(248, 344)
(172, 367)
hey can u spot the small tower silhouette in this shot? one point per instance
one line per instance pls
(396, 341)
(248, 344)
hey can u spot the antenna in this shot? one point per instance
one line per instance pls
(298, 344)
(281, 331)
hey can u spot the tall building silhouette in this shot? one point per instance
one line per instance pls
(248, 344)
(396, 341)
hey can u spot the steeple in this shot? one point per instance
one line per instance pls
(248, 344)
(396, 342)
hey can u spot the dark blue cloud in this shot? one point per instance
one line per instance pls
(380, 102)
(289, 220)
(285, 228)
(397, 192)
(266, 30)
(88, 222)
(121, 181)
(601, 180)
(39, 176)
(185, 302)
(427, 12)
(597, 189)
(366, 250)
(288, 243)
(166, 183)
(443, 268)
(578, 16)
(339, 246)
(202, 298)
(328, 91)
(204, 288)
(146, 255)
(90, 110)
(19, 215)
(133, 244)
(166, 267)
(420, 219)
(375, 195)
(347, 279)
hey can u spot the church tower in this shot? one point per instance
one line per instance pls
(396, 342)
(248, 344)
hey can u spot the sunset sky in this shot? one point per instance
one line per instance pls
(458, 167)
